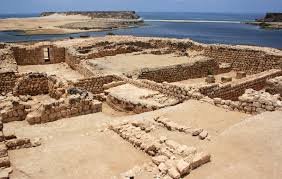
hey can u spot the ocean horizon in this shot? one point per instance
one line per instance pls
(223, 28)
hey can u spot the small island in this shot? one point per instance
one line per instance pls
(72, 22)
(270, 21)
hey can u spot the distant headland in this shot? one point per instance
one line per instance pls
(98, 14)
(72, 22)
(270, 21)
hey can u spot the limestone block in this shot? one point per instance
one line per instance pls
(196, 132)
(240, 74)
(203, 135)
(18, 143)
(173, 173)
(183, 167)
(3, 150)
(200, 159)
(4, 162)
(4, 173)
(159, 159)
(163, 168)
(172, 144)
(226, 79)
(210, 79)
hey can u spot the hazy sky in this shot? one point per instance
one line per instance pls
(29, 6)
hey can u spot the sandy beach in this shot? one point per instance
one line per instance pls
(62, 24)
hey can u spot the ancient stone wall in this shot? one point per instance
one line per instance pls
(253, 102)
(35, 55)
(7, 82)
(180, 72)
(180, 93)
(13, 109)
(95, 84)
(76, 62)
(250, 61)
(73, 105)
(32, 84)
(233, 90)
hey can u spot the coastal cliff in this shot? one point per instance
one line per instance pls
(98, 14)
(271, 17)
(270, 21)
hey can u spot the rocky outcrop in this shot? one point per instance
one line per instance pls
(271, 17)
(99, 14)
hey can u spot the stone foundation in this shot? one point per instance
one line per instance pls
(171, 158)
(7, 82)
(95, 84)
(13, 109)
(197, 69)
(78, 103)
(252, 102)
(232, 91)
(32, 84)
(34, 54)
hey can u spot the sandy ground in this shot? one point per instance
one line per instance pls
(42, 25)
(61, 24)
(75, 147)
(126, 63)
(61, 70)
(250, 149)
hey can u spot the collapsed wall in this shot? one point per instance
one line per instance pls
(252, 102)
(274, 85)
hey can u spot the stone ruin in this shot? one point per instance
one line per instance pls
(171, 158)
(254, 89)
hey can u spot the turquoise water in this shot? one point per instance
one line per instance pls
(216, 28)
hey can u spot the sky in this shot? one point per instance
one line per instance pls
(35, 6)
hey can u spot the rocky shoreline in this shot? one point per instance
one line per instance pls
(270, 21)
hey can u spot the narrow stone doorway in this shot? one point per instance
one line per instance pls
(46, 54)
